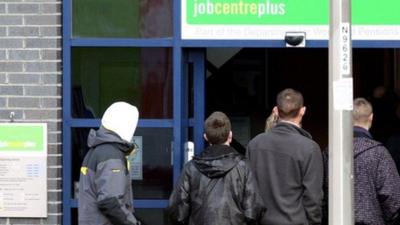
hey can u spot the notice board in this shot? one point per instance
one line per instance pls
(23, 170)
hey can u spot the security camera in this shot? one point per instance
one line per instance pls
(295, 39)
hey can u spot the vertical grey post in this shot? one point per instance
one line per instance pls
(341, 211)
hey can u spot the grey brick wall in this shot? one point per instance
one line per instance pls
(30, 83)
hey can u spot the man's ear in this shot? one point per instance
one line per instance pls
(371, 117)
(205, 137)
(275, 111)
(302, 111)
(230, 136)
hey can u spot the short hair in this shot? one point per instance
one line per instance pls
(362, 109)
(217, 127)
(289, 103)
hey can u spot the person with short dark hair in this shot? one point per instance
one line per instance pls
(217, 186)
(287, 165)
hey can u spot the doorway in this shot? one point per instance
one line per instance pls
(243, 83)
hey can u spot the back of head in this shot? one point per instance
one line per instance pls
(217, 128)
(121, 118)
(289, 102)
(362, 110)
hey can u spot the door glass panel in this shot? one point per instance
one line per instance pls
(122, 18)
(156, 181)
(79, 149)
(151, 170)
(140, 76)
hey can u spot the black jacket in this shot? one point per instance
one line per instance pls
(287, 165)
(216, 188)
(105, 192)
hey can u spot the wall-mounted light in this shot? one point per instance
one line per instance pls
(295, 39)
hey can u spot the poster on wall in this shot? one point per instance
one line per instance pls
(136, 160)
(23, 170)
(271, 19)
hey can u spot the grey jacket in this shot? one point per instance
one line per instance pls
(105, 192)
(287, 165)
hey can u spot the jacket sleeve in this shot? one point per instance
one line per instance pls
(388, 183)
(111, 186)
(253, 204)
(179, 201)
(312, 184)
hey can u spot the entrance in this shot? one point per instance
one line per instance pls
(243, 83)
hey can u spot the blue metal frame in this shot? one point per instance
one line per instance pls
(197, 57)
(179, 43)
(180, 121)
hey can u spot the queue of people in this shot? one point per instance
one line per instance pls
(288, 170)
(281, 180)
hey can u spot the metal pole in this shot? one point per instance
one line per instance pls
(341, 210)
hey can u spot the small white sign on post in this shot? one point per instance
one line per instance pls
(343, 94)
(345, 50)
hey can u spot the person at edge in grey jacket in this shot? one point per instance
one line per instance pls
(376, 180)
(217, 186)
(287, 165)
(105, 192)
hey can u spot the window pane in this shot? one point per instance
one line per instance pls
(151, 171)
(157, 164)
(79, 150)
(140, 76)
(122, 18)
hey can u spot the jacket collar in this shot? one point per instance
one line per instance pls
(291, 128)
(361, 132)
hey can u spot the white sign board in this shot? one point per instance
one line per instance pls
(136, 160)
(23, 170)
(270, 20)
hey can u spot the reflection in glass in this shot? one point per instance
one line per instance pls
(122, 18)
(155, 178)
(140, 76)
(79, 150)
(156, 165)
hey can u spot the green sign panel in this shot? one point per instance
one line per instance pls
(287, 12)
(22, 137)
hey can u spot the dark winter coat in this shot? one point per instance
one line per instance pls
(216, 188)
(105, 192)
(377, 182)
(288, 167)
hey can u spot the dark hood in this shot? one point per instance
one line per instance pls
(217, 160)
(103, 136)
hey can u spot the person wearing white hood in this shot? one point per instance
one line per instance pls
(105, 191)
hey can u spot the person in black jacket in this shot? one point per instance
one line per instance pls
(217, 186)
(287, 165)
(105, 191)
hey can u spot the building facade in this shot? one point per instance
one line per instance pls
(63, 62)
(31, 84)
